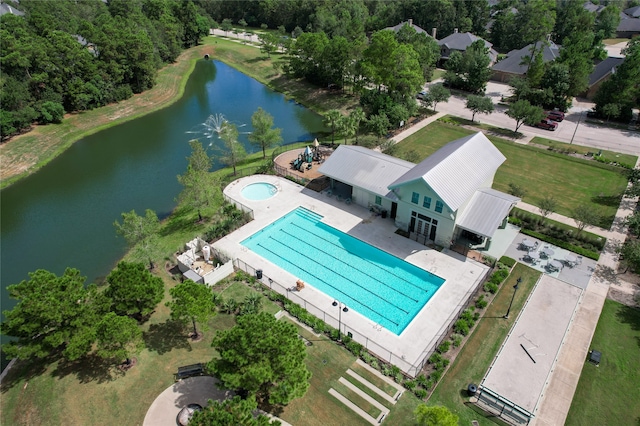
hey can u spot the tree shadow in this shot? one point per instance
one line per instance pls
(607, 200)
(629, 315)
(166, 336)
(607, 273)
(88, 369)
(25, 370)
(181, 222)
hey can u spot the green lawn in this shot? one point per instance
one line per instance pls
(479, 351)
(572, 181)
(610, 394)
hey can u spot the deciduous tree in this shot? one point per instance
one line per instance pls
(133, 290)
(435, 415)
(140, 232)
(233, 151)
(548, 205)
(585, 215)
(191, 302)
(199, 187)
(479, 104)
(264, 135)
(522, 111)
(437, 93)
(264, 357)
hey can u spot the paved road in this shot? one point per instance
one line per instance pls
(586, 134)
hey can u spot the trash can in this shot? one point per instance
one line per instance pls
(472, 389)
(383, 214)
(259, 274)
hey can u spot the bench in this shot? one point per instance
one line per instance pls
(189, 371)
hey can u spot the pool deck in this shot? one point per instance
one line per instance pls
(461, 274)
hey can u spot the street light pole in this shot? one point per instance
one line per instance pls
(341, 308)
(515, 288)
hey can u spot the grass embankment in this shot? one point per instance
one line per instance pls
(27, 153)
(482, 346)
(564, 147)
(571, 181)
(609, 394)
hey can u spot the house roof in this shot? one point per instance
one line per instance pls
(5, 8)
(486, 210)
(365, 168)
(603, 69)
(633, 11)
(597, 8)
(631, 24)
(513, 62)
(461, 41)
(456, 170)
(396, 28)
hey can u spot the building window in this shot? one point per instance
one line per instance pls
(439, 206)
(426, 203)
(415, 198)
(378, 200)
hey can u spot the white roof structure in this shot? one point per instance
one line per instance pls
(457, 169)
(365, 168)
(485, 211)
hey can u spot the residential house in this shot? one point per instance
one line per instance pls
(411, 24)
(628, 28)
(6, 8)
(633, 12)
(514, 65)
(444, 197)
(459, 42)
(601, 72)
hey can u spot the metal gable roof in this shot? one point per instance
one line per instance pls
(485, 211)
(365, 168)
(457, 169)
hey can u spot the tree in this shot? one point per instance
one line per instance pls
(140, 232)
(200, 187)
(584, 215)
(358, 116)
(226, 26)
(244, 24)
(611, 110)
(629, 254)
(332, 119)
(379, 124)
(53, 313)
(191, 302)
(133, 290)
(264, 135)
(633, 222)
(548, 205)
(269, 43)
(263, 357)
(235, 411)
(435, 416)
(437, 93)
(347, 127)
(469, 70)
(479, 104)
(118, 338)
(522, 111)
(234, 152)
(607, 21)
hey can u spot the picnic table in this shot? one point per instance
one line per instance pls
(528, 244)
(571, 260)
(547, 252)
(189, 371)
(554, 265)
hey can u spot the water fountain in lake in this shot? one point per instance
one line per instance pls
(212, 127)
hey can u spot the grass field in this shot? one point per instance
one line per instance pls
(610, 394)
(572, 181)
(476, 356)
(579, 149)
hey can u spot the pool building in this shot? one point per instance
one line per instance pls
(402, 295)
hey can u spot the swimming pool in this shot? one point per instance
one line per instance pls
(259, 191)
(378, 285)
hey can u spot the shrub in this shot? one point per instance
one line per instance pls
(436, 375)
(398, 378)
(374, 364)
(354, 347)
(421, 380)
(410, 384)
(367, 357)
(421, 393)
(467, 315)
(490, 287)
(395, 370)
(505, 260)
(386, 369)
(334, 334)
(499, 276)
(435, 358)
(461, 327)
(444, 346)
(481, 303)
(456, 339)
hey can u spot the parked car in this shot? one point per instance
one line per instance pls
(547, 125)
(421, 95)
(555, 115)
(592, 113)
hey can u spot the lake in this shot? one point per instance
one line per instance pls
(63, 215)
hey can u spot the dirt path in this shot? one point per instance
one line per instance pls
(26, 153)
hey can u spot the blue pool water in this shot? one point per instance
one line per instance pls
(378, 285)
(259, 191)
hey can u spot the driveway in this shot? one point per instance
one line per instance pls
(572, 130)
